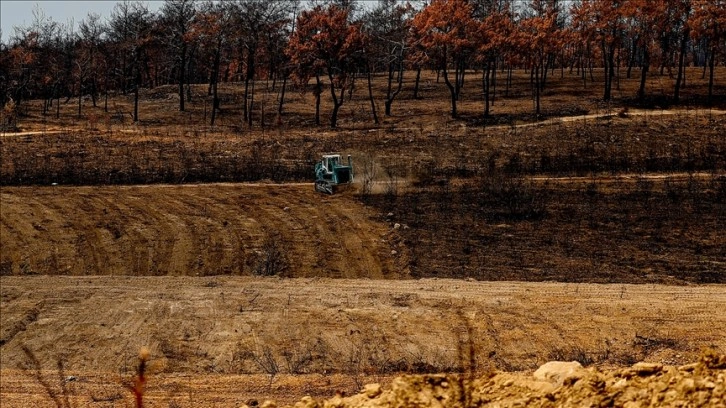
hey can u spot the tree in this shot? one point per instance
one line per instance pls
(709, 23)
(257, 23)
(494, 34)
(387, 26)
(90, 38)
(178, 15)
(325, 42)
(647, 18)
(212, 28)
(601, 22)
(537, 37)
(683, 12)
(131, 28)
(442, 33)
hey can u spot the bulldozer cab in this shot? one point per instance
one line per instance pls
(331, 161)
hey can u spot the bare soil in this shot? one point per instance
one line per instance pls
(193, 230)
(333, 334)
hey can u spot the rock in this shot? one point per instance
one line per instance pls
(620, 384)
(396, 226)
(646, 368)
(268, 404)
(334, 402)
(394, 252)
(687, 385)
(556, 372)
(372, 390)
(286, 209)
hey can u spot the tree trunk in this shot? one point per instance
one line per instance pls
(681, 59)
(494, 82)
(249, 75)
(136, 96)
(282, 97)
(418, 80)
(318, 92)
(485, 87)
(452, 91)
(80, 101)
(537, 89)
(105, 92)
(337, 102)
(389, 89)
(508, 81)
(643, 74)
(391, 95)
(213, 80)
(244, 100)
(370, 95)
(609, 60)
(182, 79)
(710, 76)
(215, 103)
(93, 90)
(252, 104)
(631, 60)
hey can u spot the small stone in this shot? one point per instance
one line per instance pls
(396, 226)
(286, 209)
(71, 378)
(372, 390)
(389, 215)
(508, 383)
(394, 252)
(268, 404)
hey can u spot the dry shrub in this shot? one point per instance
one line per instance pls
(272, 257)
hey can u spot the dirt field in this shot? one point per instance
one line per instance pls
(203, 332)
(193, 230)
(161, 233)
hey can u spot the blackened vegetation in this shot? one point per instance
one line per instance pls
(503, 227)
(75, 159)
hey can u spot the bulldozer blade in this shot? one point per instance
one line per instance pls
(323, 187)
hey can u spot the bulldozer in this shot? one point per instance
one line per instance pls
(332, 175)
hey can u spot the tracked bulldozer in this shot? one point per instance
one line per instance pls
(331, 175)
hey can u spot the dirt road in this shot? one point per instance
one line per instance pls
(212, 329)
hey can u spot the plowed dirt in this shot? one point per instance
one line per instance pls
(196, 230)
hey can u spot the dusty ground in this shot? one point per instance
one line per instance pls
(337, 334)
